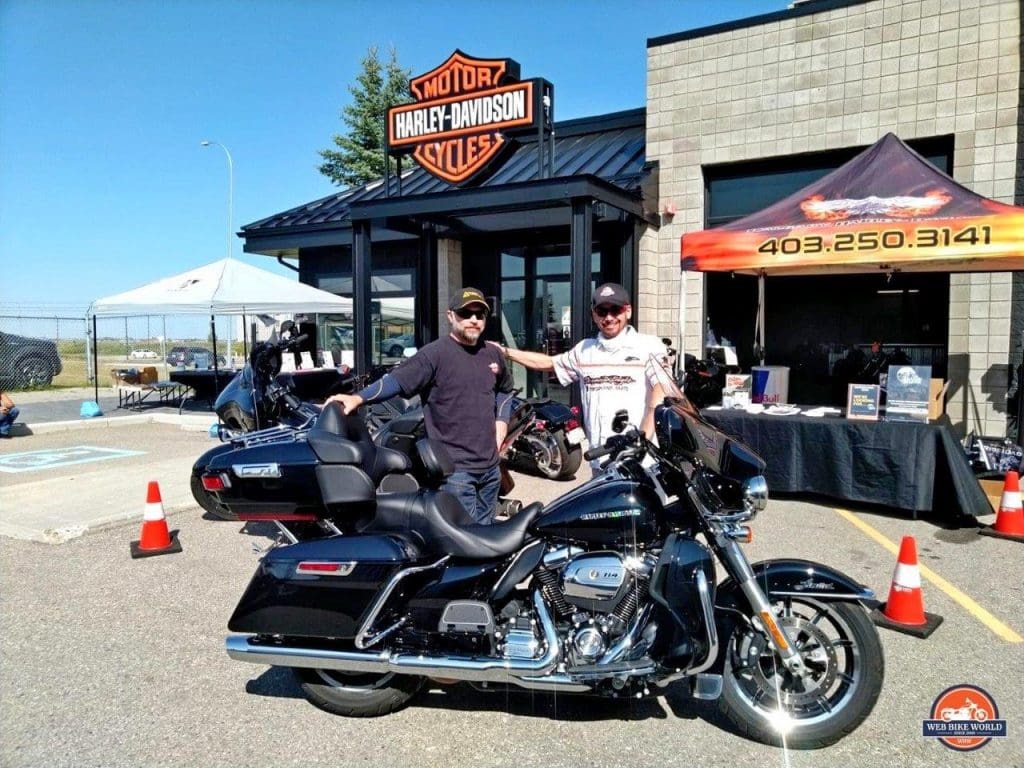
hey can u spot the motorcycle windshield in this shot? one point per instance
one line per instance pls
(680, 426)
(238, 392)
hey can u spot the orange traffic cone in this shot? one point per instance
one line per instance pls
(155, 538)
(1010, 517)
(904, 611)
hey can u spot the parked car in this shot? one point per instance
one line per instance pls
(187, 356)
(395, 346)
(142, 354)
(27, 362)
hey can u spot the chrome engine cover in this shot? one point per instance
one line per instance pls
(596, 582)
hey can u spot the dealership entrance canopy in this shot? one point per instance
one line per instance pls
(494, 171)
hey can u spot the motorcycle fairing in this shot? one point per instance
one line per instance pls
(281, 599)
(681, 636)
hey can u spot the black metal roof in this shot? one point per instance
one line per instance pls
(610, 147)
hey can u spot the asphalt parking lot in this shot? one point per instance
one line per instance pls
(112, 661)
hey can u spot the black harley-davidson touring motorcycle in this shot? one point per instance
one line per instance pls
(612, 589)
(544, 435)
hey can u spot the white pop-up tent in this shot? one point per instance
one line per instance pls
(225, 287)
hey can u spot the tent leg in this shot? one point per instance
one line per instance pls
(759, 323)
(213, 335)
(682, 321)
(95, 364)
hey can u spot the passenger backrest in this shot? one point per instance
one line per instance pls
(437, 464)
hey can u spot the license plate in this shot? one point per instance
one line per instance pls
(574, 436)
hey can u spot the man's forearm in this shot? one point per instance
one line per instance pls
(536, 361)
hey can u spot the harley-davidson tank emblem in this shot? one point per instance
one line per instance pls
(462, 109)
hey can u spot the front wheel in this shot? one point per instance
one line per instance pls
(844, 672)
(354, 694)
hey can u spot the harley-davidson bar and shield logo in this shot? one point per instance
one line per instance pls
(462, 114)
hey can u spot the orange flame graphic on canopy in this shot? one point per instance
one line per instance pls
(817, 208)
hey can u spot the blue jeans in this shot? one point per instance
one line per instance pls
(478, 492)
(7, 419)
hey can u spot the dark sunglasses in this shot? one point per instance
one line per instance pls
(465, 314)
(604, 311)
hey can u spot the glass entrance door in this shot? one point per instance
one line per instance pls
(536, 312)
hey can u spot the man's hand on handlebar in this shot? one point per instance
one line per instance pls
(349, 403)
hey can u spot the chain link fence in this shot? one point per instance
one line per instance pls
(42, 351)
(38, 351)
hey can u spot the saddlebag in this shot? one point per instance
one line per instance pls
(320, 588)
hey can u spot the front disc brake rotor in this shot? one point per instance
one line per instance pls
(767, 672)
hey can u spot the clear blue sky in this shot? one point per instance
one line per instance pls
(103, 104)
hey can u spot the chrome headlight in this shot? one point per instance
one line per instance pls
(755, 493)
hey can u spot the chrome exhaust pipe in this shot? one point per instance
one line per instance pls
(243, 648)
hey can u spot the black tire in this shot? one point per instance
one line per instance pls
(34, 371)
(355, 694)
(572, 456)
(395, 351)
(539, 453)
(207, 501)
(844, 655)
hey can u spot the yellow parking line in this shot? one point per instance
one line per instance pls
(1001, 630)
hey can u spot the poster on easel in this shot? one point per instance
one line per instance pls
(906, 393)
(862, 402)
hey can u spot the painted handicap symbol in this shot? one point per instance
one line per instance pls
(31, 461)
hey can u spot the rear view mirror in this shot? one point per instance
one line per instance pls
(620, 421)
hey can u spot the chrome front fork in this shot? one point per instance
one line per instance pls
(764, 617)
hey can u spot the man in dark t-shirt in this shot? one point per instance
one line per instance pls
(466, 392)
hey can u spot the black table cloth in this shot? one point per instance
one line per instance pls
(205, 384)
(316, 383)
(918, 468)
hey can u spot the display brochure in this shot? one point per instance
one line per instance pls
(907, 393)
(862, 401)
(736, 393)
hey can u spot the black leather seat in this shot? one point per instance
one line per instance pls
(441, 525)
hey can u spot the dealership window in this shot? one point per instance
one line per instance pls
(392, 301)
(822, 327)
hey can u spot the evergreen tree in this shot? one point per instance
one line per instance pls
(359, 156)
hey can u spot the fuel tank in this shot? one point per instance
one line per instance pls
(603, 512)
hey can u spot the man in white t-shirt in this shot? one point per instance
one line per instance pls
(612, 369)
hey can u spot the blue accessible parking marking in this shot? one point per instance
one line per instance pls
(31, 461)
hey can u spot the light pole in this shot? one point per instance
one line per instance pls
(231, 185)
(231, 195)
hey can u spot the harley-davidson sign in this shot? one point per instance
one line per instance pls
(462, 114)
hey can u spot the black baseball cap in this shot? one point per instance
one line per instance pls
(466, 296)
(610, 293)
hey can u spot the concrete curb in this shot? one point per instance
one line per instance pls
(188, 422)
(69, 532)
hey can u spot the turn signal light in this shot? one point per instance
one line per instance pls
(740, 533)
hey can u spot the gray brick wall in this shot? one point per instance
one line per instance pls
(841, 78)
